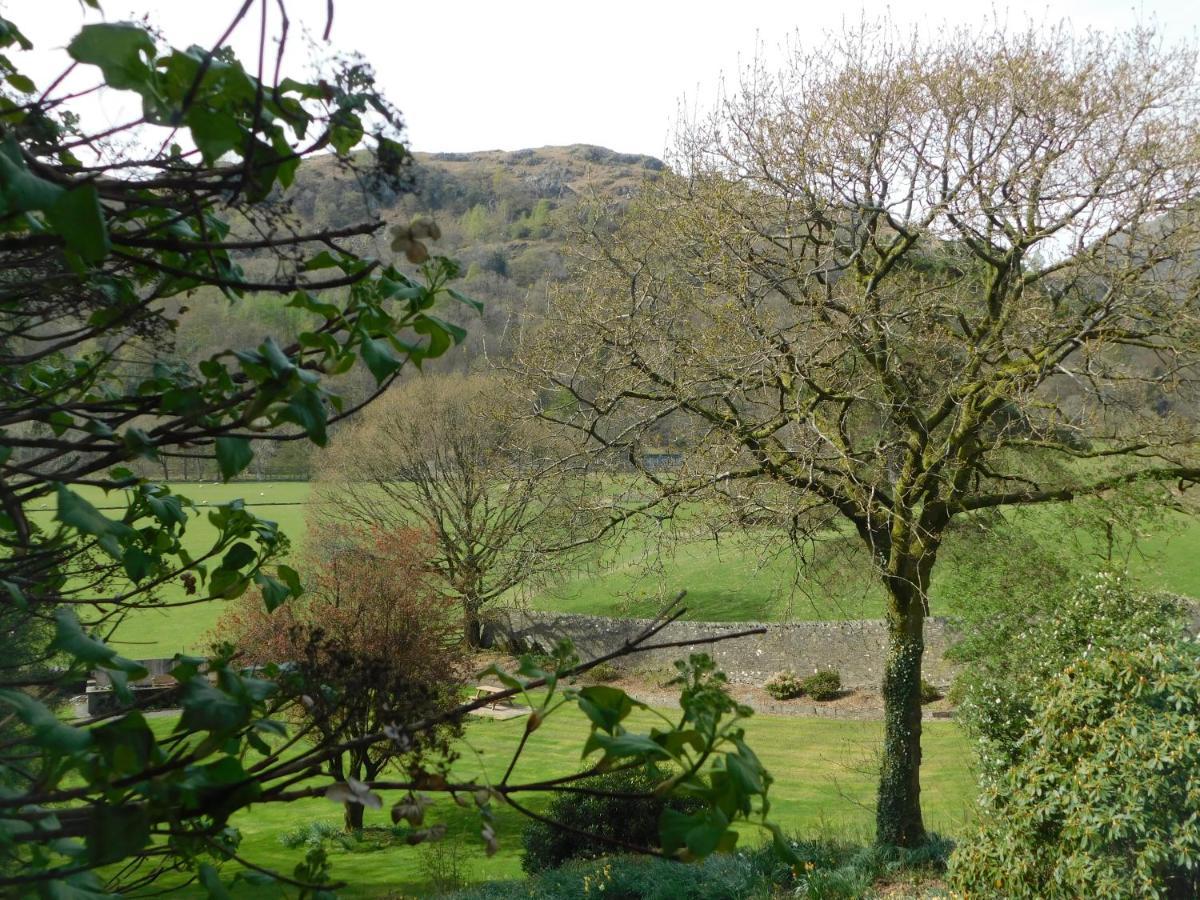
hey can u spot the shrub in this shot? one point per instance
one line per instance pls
(827, 870)
(603, 673)
(929, 693)
(783, 685)
(1104, 800)
(631, 820)
(1012, 650)
(313, 835)
(823, 685)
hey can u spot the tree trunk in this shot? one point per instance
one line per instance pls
(472, 630)
(898, 821)
(352, 816)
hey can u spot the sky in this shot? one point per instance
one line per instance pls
(489, 74)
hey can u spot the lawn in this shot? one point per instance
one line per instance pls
(824, 773)
(739, 578)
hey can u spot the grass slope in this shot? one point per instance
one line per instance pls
(736, 579)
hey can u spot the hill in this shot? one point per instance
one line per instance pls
(504, 215)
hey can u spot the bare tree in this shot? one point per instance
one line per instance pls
(456, 456)
(910, 284)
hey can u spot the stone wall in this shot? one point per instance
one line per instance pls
(853, 648)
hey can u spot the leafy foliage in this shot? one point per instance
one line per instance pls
(371, 642)
(930, 693)
(106, 238)
(823, 685)
(1104, 797)
(820, 870)
(579, 822)
(1012, 651)
(784, 685)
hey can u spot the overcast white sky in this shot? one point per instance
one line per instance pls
(490, 74)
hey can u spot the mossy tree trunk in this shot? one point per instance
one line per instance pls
(352, 816)
(898, 819)
(472, 627)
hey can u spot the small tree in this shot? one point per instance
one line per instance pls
(372, 641)
(905, 284)
(457, 456)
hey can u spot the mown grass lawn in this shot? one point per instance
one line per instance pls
(824, 771)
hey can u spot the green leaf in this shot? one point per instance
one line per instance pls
(211, 881)
(72, 639)
(205, 708)
(116, 832)
(606, 706)
(307, 410)
(20, 189)
(379, 359)
(215, 133)
(77, 216)
(239, 556)
(291, 578)
(629, 745)
(49, 732)
(79, 514)
(274, 592)
(233, 455)
(117, 48)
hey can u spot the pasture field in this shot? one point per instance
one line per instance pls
(748, 576)
(824, 772)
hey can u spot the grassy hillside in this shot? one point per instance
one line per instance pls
(748, 577)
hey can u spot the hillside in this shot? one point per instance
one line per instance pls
(504, 215)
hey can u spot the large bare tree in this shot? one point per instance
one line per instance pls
(457, 456)
(909, 283)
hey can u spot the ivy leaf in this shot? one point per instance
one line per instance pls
(233, 455)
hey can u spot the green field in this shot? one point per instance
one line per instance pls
(824, 771)
(741, 577)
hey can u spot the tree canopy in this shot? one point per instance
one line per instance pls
(903, 283)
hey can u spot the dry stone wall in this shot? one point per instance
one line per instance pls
(854, 648)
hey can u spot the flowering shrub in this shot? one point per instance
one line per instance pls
(784, 685)
(1012, 650)
(1104, 800)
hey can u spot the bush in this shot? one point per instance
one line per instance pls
(314, 835)
(783, 686)
(824, 685)
(929, 693)
(1012, 650)
(827, 870)
(631, 820)
(1105, 798)
(603, 673)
